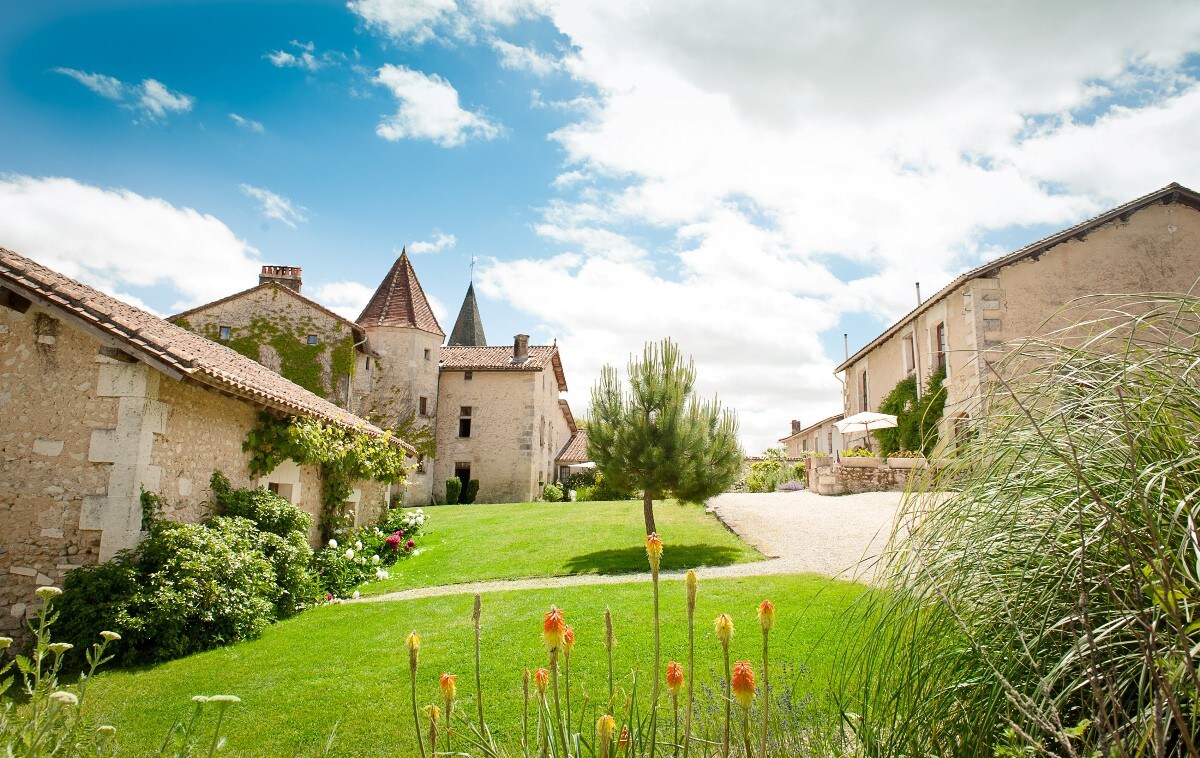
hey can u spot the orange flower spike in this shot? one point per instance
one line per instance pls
(568, 643)
(623, 742)
(541, 680)
(743, 683)
(674, 678)
(654, 550)
(554, 628)
(766, 615)
(449, 689)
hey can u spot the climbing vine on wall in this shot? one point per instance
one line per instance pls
(344, 456)
(917, 419)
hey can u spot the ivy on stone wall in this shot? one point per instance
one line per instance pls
(917, 419)
(344, 456)
(298, 361)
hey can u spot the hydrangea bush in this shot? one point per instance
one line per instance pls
(366, 554)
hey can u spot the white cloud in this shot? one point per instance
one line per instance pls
(524, 59)
(429, 109)
(344, 298)
(247, 123)
(151, 98)
(406, 20)
(116, 239)
(439, 243)
(304, 57)
(276, 206)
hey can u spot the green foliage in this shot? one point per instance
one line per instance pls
(453, 489)
(859, 452)
(585, 478)
(773, 470)
(344, 456)
(190, 587)
(299, 361)
(1046, 605)
(553, 493)
(658, 437)
(366, 553)
(470, 492)
(917, 419)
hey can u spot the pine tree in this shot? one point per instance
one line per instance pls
(658, 437)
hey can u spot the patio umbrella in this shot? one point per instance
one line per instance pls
(867, 421)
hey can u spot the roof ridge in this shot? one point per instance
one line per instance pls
(289, 290)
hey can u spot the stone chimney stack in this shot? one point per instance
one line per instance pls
(796, 426)
(286, 276)
(520, 348)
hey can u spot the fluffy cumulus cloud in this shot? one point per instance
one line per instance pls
(118, 240)
(344, 298)
(428, 109)
(152, 99)
(275, 206)
(439, 243)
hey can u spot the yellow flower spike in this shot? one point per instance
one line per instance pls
(743, 683)
(654, 550)
(605, 727)
(610, 639)
(724, 627)
(433, 712)
(674, 678)
(568, 643)
(690, 581)
(413, 640)
(766, 615)
(449, 688)
(541, 679)
(553, 629)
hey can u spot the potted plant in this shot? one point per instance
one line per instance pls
(906, 459)
(860, 457)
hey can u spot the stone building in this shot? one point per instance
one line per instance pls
(821, 437)
(100, 400)
(403, 377)
(1151, 244)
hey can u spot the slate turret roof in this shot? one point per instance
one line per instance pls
(468, 329)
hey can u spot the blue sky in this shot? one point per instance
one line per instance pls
(754, 180)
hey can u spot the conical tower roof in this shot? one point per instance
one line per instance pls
(400, 301)
(468, 329)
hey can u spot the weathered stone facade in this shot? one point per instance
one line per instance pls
(1149, 245)
(829, 478)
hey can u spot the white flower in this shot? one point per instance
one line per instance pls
(416, 552)
(58, 648)
(45, 593)
(107, 730)
(381, 574)
(199, 699)
(375, 560)
(354, 596)
(358, 544)
(225, 699)
(110, 636)
(333, 543)
(349, 553)
(5, 642)
(64, 698)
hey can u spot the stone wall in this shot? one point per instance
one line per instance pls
(836, 479)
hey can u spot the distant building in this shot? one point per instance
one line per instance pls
(100, 400)
(821, 437)
(1151, 244)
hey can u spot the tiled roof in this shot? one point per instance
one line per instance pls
(400, 301)
(173, 350)
(1172, 193)
(810, 427)
(354, 328)
(575, 451)
(500, 359)
(468, 329)
(566, 412)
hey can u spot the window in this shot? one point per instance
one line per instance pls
(283, 490)
(312, 339)
(542, 434)
(464, 421)
(225, 332)
(864, 397)
(367, 363)
(421, 465)
(939, 344)
(910, 355)
(423, 406)
(468, 376)
(428, 352)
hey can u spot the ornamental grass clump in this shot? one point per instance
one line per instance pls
(1047, 605)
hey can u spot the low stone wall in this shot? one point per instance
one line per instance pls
(835, 479)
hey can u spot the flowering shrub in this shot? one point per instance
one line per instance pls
(365, 554)
(552, 493)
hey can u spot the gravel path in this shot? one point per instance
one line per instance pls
(798, 532)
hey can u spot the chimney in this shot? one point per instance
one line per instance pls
(285, 276)
(796, 426)
(520, 348)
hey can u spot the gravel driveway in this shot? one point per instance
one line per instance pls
(799, 532)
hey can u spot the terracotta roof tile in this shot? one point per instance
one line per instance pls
(169, 348)
(500, 359)
(400, 301)
(575, 451)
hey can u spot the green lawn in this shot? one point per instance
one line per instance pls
(467, 543)
(347, 664)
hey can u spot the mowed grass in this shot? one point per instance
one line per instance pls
(347, 664)
(468, 543)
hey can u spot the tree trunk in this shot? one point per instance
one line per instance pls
(648, 512)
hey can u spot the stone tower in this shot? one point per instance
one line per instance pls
(468, 329)
(405, 335)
